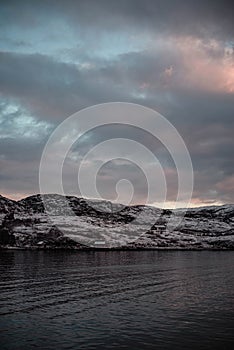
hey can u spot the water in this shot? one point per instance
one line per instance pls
(116, 300)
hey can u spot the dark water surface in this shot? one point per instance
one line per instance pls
(116, 300)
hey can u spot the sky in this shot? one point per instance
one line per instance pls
(176, 57)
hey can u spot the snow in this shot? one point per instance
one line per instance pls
(101, 223)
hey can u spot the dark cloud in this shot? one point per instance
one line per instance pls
(177, 57)
(210, 17)
(53, 89)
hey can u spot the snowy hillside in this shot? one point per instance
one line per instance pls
(101, 224)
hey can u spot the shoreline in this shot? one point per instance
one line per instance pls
(88, 249)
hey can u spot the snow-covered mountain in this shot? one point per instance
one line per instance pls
(7, 205)
(77, 223)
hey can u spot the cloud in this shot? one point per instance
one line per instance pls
(176, 57)
(210, 17)
(17, 123)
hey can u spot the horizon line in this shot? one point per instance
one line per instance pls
(118, 203)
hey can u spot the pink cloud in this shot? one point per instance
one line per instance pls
(207, 65)
(227, 185)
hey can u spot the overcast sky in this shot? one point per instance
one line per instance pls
(177, 57)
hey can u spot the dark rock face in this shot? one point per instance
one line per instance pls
(6, 233)
(32, 204)
(25, 224)
(7, 205)
(6, 237)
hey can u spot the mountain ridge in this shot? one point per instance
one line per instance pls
(104, 200)
(26, 224)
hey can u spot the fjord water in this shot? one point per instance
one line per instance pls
(117, 300)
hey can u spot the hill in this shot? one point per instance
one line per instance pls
(85, 224)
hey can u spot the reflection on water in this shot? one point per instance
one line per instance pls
(116, 300)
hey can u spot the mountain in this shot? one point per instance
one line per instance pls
(86, 224)
(7, 205)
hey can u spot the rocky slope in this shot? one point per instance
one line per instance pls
(100, 224)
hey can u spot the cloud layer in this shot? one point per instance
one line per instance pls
(176, 57)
